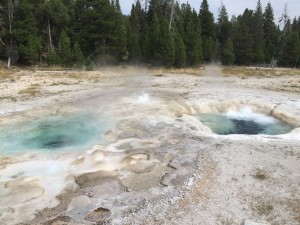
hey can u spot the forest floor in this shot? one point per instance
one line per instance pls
(158, 164)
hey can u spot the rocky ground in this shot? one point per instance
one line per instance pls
(158, 164)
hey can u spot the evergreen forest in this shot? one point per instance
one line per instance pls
(73, 33)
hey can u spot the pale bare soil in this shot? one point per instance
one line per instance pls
(158, 165)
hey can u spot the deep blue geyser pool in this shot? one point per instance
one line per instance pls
(74, 131)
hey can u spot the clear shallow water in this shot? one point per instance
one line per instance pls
(74, 131)
(240, 123)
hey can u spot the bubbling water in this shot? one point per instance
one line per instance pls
(246, 114)
(244, 122)
(141, 97)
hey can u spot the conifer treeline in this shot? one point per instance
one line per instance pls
(77, 32)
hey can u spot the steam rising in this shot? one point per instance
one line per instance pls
(143, 98)
(247, 115)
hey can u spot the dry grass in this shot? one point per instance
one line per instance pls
(260, 174)
(78, 75)
(60, 83)
(84, 75)
(51, 68)
(190, 71)
(5, 73)
(33, 91)
(245, 72)
(10, 98)
(265, 209)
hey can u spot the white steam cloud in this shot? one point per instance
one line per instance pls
(247, 114)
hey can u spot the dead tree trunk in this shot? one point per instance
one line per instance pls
(10, 9)
(172, 15)
(49, 35)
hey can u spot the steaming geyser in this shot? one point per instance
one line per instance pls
(141, 97)
(244, 122)
(53, 132)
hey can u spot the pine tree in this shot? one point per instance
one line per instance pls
(56, 19)
(192, 36)
(243, 45)
(227, 53)
(64, 50)
(25, 33)
(168, 44)
(142, 32)
(208, 48)
(52, 58)
(178, 27)
(234, 27)
(180, 52)
(296, 37)
(208, 28)
(295, 51)
(158, 41)
(101, 30)
(86, 26)
(154, 43)
(291, 51)
(271, 35)
(298, 25)
(77, 54)
(258, 35)
(208, 31)
(145, 44)
(223, 26)
(285, 40)
(248, 18)
(33, 49)
(69, 28)
(120, 35)
(133, 36)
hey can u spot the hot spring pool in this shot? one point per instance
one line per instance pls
(50, 133)
(244, 122)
